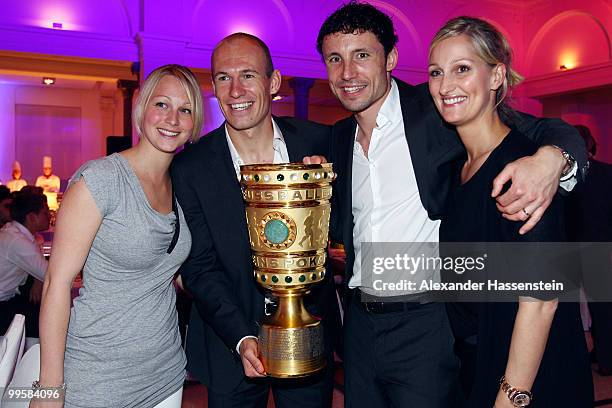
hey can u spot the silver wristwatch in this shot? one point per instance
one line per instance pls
(569, 162)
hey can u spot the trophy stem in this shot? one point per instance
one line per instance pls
(291, 340)
(291, 311)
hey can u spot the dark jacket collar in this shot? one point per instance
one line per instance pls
(412, 105)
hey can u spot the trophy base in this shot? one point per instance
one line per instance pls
(292, 352)
(291, 340)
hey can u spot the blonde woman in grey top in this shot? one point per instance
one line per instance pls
(119, 346)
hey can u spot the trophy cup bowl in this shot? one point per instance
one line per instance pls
(287, 210)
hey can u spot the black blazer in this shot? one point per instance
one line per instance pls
(219, 273)
(435, 148)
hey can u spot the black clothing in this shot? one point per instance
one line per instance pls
(404, 356)
(483, 331)
(589, 219)
(20, 304)
(219, 273)
(310, 392)
(434, 149)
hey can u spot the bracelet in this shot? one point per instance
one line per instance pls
(36, 386)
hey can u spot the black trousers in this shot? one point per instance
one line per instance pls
(20, 304)
(401, 359)
(310, 392)
(601, 330)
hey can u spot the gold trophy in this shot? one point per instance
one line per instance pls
(287, 210)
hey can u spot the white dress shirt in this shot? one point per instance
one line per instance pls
(386, 202)
(569, 181)
(20, 256)
(281, 155)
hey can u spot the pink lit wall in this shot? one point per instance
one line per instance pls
(544, 34)
(7, 122)
(94, 29)
(318, 113)
(574, 37)
(592, 109)
(74, 15)
(212, 113)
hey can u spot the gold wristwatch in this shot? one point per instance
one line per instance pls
(518, 398)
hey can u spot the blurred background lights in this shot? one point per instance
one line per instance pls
(567, 60)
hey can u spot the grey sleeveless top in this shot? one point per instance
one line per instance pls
(123, 347)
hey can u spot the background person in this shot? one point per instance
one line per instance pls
(120, 346)
(49, 182)
(589, 219)
(17, 183)
(20, 257)
(5, 205)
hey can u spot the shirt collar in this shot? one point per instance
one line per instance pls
(277, 144)
(278, 140)
(390, 112)
(23, 230)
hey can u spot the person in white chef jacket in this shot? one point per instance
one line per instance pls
(49, 182)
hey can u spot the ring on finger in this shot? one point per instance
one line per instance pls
(526, 212)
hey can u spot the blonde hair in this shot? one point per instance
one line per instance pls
(491, 46)
(192, 88)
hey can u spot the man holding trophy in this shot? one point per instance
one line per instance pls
(223, 349)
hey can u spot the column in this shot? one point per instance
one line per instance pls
(128, 88)
(301, 89)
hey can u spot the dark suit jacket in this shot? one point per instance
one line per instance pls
(589, 215)
(219, 273)
(435, 148)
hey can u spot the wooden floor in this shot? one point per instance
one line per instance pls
(194, 394)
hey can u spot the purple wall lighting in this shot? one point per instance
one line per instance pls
(574, 33)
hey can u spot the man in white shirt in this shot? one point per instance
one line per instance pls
(20, 257)
(222, 346)
(5, 205)
(392, 159)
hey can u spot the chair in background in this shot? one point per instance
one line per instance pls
(25, 374)
(172, 401)
(30, 342)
